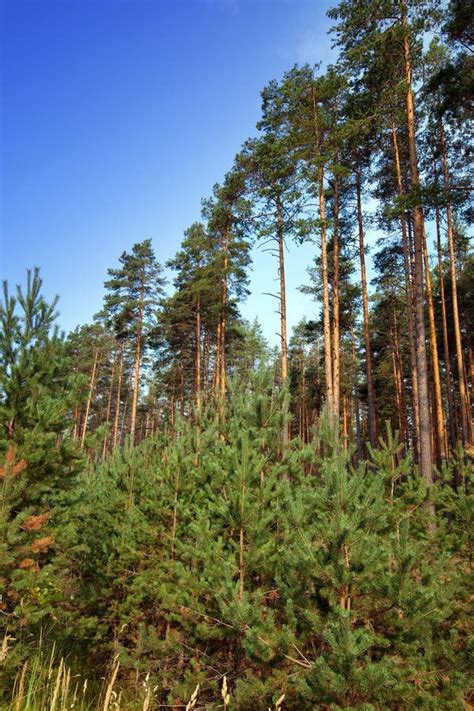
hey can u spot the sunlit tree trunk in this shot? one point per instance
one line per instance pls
(89, 396)
(197, 362)
(444, 327)
(426, 463)
(336, 369)
(109, 405)
(118, 398)
(438, 419)
(324, 268)
(206, 356)
(197, 366)
(136, 370)
(409, 298)
(328, 355)
(124, 419)
(282, 299)
(220, 379)
(463, 394)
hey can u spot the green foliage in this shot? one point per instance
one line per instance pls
(307, 577)
(203, 564)
(39, 458)
(200, 553)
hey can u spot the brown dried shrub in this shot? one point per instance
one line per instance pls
(10, 468)
(35, 523)
(42, 545)
(26, 563)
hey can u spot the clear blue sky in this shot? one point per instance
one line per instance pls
(118, 116)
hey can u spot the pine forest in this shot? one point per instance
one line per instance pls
(194, 517)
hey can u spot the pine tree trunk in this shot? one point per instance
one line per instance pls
(366, 323)
(409, 299)
(198, 381)
(136, 370)
(438, 419)
(397, 390)
(426, 463)
(118, 397)
(221, 331)
(173, 410)
(336, 374)
(181, 390)
(328, 360)
(206, 355)
(283, 334)
(470, 361)
(197, 365)
(464, 405)
(124, 419)
(360, 448)
(89, 396)
(215, 375)
(401, 394)
(302, 389)
(77, 423)
(324, 268)
(444, 326)
(109, 405)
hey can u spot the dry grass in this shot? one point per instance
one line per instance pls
(47, 683)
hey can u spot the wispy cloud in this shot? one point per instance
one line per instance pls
(229, 6)
(313, 45)
(309, 42)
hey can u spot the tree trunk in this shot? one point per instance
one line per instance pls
(117, 399)
(336, 374)
(366, 323)
(197, 363)
(221, 331)
(136, 370)
(439, 447)
(465, 409)
(409, 299)
(426, 463)
(401, 393)
(77, 423)
(206, 354)
(360, 448)
(324, 268)
(124, 419)
(283, 334)
(444, 326)
(89, 396)
(109, 405)
(303, 413)
(181, 390)
(197, 366)
(328, 359)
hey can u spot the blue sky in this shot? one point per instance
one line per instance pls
(118, 116)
